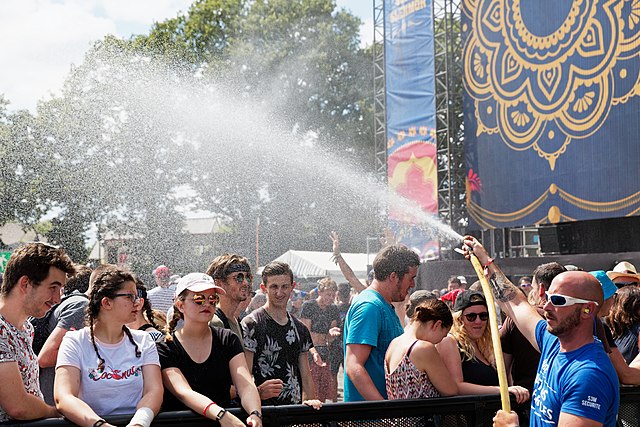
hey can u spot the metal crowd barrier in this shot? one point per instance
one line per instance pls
(458, 411)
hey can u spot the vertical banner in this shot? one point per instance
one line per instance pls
(411, 122)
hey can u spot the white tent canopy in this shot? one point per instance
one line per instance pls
(311, 264)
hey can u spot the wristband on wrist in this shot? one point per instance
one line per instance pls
(143, 416)
(206, 408)
(99, 423)
(256, 413)
(486, 266)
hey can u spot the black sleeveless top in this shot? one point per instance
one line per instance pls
(476, 372)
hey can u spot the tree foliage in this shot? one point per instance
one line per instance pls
(127, 154)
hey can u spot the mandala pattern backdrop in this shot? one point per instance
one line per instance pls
(552, 110)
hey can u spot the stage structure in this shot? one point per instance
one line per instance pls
(552, 103)
(550, 130)
(420, 38)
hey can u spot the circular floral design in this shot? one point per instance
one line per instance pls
(540, 83)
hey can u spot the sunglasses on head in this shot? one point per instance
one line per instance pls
(200, 299)
(241, 277)
(471, 317)
(558, 300)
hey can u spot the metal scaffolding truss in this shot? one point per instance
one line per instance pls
(379, 91)
(449, 118)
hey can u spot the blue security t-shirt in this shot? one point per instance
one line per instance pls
(372, 321)
(581, 382)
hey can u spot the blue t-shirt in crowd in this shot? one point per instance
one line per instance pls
(581, 382)
(372, 321)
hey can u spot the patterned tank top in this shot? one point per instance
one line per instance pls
(407, 381)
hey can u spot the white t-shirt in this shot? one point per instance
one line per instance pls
(118, 389)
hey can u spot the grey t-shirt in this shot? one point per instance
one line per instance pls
(68, 315)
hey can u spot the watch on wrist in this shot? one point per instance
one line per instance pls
(221, 414)
(256, 413)
(99, 423)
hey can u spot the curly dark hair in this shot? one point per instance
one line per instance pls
(625, 311)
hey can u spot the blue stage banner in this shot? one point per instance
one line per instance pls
(411, 122)
(551, 110)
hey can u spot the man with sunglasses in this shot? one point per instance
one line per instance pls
(576, 383)
(233, 273)
(520, 358)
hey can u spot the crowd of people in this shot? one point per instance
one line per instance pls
(88, 344)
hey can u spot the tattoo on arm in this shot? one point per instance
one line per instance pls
(503, 289)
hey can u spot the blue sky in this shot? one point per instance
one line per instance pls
(41, 39)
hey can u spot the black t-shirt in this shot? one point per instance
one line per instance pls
(321, 318)
(526, 358)
(211, 378)
(276, 351)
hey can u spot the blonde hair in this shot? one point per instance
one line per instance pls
(465, 343)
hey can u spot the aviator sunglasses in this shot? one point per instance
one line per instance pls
(558, 300)
(471, 317)
(200, 299)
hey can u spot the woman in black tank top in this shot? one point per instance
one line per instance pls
(468, 352)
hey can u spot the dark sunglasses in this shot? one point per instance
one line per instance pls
(471, 317)
(558, 300)
(241, 277)
(200, 299)
(134, 298)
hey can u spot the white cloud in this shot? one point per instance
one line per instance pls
(42, 38)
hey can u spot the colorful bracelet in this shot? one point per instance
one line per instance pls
(206, 408)
(489, 262)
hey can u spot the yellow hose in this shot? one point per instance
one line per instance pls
(495, 335)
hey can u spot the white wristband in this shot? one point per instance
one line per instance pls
(143, 417)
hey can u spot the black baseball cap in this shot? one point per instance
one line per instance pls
(468, 298)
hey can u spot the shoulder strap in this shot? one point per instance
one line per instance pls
(411, 348)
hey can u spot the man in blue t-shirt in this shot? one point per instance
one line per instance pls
(576, 383)
(371, 323)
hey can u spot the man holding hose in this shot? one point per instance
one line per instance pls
(576, 384)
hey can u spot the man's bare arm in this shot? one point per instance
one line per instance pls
(509, 298)
(347, 272)
(15, 400)
(354, 360)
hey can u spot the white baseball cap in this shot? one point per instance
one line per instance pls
(197, 282)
